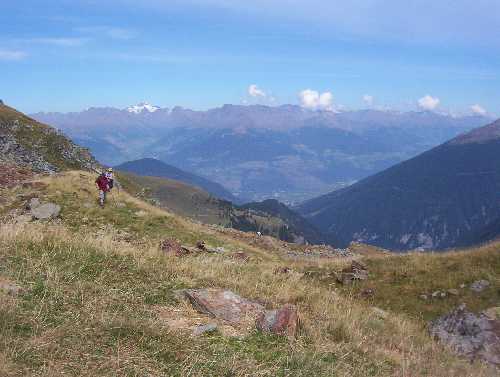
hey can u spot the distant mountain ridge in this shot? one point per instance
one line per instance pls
(258, 152)
(446, 197)
(157, 168)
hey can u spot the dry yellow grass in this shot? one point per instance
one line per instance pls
(93, 300)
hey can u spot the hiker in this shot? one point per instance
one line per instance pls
(110, 177)
(102, 184)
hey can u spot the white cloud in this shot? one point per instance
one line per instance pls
(428, 103)
(12, 55)
(312, 99)
(254, 91)
(478, 109)
(368, 100)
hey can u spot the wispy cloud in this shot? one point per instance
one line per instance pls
(478, 109)
(108, 32)
(12, 55)
(255, 91)
(62, 42)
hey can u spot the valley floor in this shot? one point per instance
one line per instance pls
(93, 295)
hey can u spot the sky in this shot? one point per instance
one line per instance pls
(68, 55)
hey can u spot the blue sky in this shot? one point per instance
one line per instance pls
(66, 55)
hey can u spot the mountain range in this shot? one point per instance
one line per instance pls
(259, 152)
(446, 197)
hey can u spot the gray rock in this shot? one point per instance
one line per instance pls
(424, 297)
(479, 285)
(46, 211)
(453, 292)
(474, 337)
(380, 312)
(33, 203)
(202, 329)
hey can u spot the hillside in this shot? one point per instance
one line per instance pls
(156, 168)
(28, 143)
(91, 293)
(446, 197)
(194, 203)
(258, 152)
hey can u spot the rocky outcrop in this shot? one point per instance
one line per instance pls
(476, 337)
(27, 143)
(282, 321)
(356, 271)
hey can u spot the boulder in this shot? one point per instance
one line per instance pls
(240, 255)
(469, 335)
(223, 304)
(479, 285)
(227, 306)
(283, 321)
(33, 203)
(46, 211)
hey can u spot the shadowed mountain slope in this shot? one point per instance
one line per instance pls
(446, 197)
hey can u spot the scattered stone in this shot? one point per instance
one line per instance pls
(424, 297)
(202, 329)
(493, 313)
(356, 271)
(10, 288)
(240, 255)
(33, 203)
(282, 270)
(462, 286)
(171, 246)
(220, 250)
(474, 337)
(453, 292)
(380, 313)
(201, 245)
(436, 294)
(345, 278)
(367, 293)
(479, 285)
(46, 211)
(283, 321)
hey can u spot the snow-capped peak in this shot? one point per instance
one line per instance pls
(141, 107)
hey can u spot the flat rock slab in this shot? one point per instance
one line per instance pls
(223, 304)
(479, 285)
(469, 335)
(236, 310)
(46, 211)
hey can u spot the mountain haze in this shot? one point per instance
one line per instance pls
(446, 197)
(258, 152)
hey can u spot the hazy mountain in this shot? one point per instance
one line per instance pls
(446, 197)
(258, 152)
(156, 168)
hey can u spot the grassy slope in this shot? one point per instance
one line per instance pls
(196, 204)
(93, 294)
